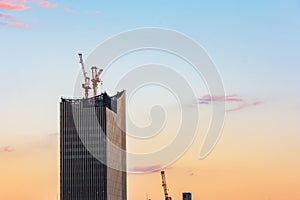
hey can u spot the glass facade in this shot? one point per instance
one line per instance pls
(91, 168)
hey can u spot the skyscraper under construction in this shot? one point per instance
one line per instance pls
(92, 148)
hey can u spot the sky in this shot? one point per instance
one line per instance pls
(254, 44)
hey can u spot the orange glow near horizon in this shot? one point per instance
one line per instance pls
(242, 166)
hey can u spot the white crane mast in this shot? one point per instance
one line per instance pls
(86, 84)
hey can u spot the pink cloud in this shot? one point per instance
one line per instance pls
(245, 105)
(72, 11)
(10, 1)
(18, 25)
(209, 98)
(237, 101)
(3, 23)
(256, 103)
(147, 169)
(10, 6)
(7, 17)
(18, 1)
(232, 99)
(8, 149)
(47, 4)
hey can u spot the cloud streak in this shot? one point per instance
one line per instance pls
(10, 6)
(147, 169)
(234, 99)
(244, 105)
(47, 4)
(18, 25)
(7, 149)
(7, 17)
(206, 99)
(10, 21)
(71, 11)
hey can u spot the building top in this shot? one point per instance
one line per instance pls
(102, 100)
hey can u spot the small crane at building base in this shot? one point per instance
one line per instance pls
(164, 185)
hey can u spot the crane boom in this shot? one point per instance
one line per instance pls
(82, 65)
(164, 184)
(86, 84)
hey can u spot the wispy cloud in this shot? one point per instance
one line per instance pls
(147, 169)
(7, 149)
(12, 22)
(245, 105)
(9, 20)
(71, 11)
(11, 6)
(237, 101)
(15, 1)
(7, 17)
(3, 23)
(18, 5)
(20, 25)
(206, 99)
(47, 4)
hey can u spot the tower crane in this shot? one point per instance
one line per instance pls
(96, 78)
(164, 184)
(86, 84)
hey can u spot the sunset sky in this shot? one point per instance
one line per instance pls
(255, 45)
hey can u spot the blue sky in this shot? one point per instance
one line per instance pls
(255, 46)
(258, 40)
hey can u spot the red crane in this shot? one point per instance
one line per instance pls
(86, 84)
(164, 184)
(96, 78)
